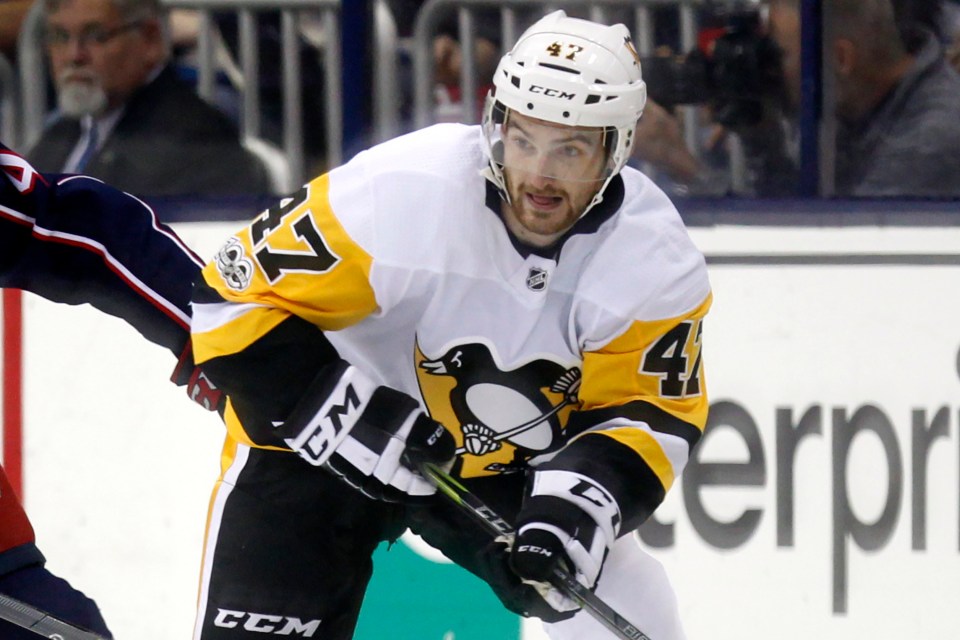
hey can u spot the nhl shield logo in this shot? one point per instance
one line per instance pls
(537, 279)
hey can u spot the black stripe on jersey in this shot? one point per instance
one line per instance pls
(266, 380)
(633, 484)
(638, 411)
(203, 293)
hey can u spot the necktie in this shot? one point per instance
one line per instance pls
(89, 149)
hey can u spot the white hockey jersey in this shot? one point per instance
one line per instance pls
(402, 258)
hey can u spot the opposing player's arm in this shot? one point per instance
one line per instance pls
(76, 240)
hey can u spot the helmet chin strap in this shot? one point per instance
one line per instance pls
(611, 150)
(597, 199)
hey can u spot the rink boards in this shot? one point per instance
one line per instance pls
(823, 501)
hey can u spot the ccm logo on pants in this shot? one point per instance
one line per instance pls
(264, 623)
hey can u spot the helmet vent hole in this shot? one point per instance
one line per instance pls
(592, 99)
(557, 67)
(515, 81)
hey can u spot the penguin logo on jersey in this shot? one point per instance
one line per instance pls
(500, 417)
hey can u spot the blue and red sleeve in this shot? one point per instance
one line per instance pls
(75, 240)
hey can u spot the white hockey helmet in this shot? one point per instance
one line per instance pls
(570, 72)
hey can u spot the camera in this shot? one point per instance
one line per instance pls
(736, 70)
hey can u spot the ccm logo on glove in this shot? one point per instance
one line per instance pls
(334, 419)
(372, 436)
(532, 548)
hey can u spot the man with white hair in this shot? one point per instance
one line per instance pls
(123, 114)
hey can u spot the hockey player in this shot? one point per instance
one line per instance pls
(507, 298)
(73, 239)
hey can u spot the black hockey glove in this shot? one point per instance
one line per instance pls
(566, 519)
(374, 437)
(520, 596)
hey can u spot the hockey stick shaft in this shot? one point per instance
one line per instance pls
(529, 424)
(40, 622)
(562, 579)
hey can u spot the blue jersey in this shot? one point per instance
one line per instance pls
(75, 240)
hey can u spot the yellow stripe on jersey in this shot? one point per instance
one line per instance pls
(236, 334)
(657, 362)
(296, 257)
(649, 449)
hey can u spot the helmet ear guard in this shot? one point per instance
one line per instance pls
(569, 72)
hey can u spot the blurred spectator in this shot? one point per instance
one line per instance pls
(953, 52)
(448, 56)
(916, 18)
(660, 145)
(951, 29)
(898, 112)
(123, 115)
(12, 13)
(659, 142)
(736, 80)
(897, 104)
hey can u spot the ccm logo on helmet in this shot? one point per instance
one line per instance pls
(553, 93)
(264, 623)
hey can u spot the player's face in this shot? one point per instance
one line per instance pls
(96, 57)
(552, 173)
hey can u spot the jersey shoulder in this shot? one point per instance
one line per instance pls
(435, 160)
(397, 198)
(645, 251)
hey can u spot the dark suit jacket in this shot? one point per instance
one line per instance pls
(169, 141)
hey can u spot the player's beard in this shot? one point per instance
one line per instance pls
(547, 221)
(80, 94)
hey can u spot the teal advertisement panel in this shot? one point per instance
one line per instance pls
(414, 598)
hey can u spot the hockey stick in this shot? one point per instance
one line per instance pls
(568, 384)
(41, 623)
(562, 579)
